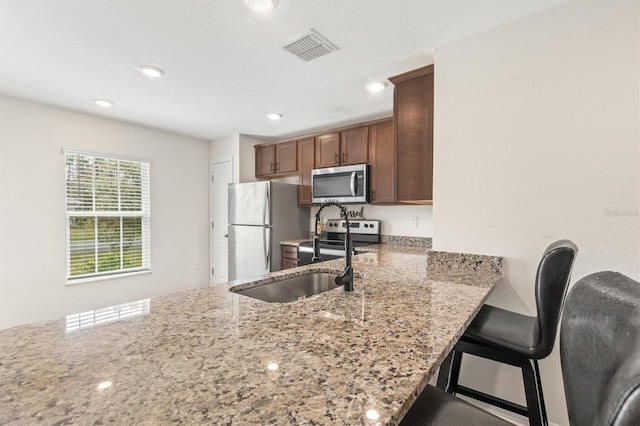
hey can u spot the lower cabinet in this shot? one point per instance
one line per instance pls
(289, 256)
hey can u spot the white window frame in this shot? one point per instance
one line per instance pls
(144, 214)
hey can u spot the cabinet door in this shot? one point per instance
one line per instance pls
(289, 263)
(413, 119)
(287, 157)
(265, 160)
(306, 163)
(354, 146)
(382, 159)
(328, 150)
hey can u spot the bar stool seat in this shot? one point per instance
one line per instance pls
(437, 408)
(515, 339)
(504, 329)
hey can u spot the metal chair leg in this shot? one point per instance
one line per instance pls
(533, 391)
(455, 372)
(445, 370)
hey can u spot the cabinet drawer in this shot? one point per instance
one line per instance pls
(290, 252)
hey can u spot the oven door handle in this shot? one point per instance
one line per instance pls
(354, 184)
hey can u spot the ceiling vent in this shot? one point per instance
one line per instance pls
(309, 46)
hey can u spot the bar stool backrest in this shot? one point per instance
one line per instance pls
(600, 351)
(552, 282)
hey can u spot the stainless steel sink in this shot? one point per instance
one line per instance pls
(291, 289)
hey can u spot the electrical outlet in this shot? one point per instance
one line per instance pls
(414, 221)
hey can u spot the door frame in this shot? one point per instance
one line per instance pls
(228, 159)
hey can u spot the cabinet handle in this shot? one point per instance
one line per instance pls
(373, 194)
(277, 167)
(344, 158)
(335, 158)
(272, 168)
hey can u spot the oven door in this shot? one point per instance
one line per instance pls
(348, 184)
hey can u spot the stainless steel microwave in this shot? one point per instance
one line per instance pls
(347, 184)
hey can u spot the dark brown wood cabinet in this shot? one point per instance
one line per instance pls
(354, 146)
(382, 161)
(265, 160)
(276, 159)
(289, 256)
(306, 163)
(328, 150)
(413, 134)
(287, 157)
(343, 148)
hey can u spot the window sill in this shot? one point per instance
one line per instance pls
(86, 280)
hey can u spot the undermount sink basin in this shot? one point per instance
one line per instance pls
(291, 289)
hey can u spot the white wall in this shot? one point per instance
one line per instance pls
(248, 158)
(537, 139)
(32, 211)
(226, 147)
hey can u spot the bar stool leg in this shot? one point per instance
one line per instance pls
(445, 370)
(455, 373)
(533, 390)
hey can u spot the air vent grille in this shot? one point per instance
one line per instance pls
(310, 46)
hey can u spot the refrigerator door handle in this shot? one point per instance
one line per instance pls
(266, 220)
(266, 249)
(354, 184)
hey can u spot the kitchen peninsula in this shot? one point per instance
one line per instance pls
(211, 356)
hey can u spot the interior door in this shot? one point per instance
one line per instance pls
(221, 177)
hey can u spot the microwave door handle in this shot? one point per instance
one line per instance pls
(354, 184)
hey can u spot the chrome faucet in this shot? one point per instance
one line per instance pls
(346, 279)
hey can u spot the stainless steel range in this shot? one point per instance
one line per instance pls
(363, 233)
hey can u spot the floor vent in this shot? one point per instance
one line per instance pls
(310, 46)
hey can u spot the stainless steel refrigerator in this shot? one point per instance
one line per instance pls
(261, 214)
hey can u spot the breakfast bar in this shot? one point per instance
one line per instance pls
(212, 356)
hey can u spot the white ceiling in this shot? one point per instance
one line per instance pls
(224, 68)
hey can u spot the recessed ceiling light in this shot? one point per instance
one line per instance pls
(274, 116)
(103, 103)
(151, 71)
(272, 366)
(262, 6)
(376, 86)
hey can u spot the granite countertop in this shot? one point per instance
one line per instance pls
(210, 356)
(295, 243)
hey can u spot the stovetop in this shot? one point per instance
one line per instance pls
(363, 233)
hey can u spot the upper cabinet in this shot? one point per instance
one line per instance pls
(413, 134)
(383, 163)
(354, 146)
(306, 163)
(343, 148)
(328, 150)
(276, 159)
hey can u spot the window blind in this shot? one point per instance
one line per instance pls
(108, 215)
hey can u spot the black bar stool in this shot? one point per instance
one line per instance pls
(517, 339)
(600, 351)
(600, 354)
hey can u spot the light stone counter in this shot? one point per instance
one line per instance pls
(203, 356)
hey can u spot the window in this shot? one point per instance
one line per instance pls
(107, 200)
